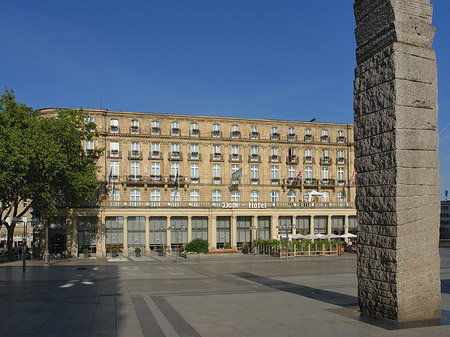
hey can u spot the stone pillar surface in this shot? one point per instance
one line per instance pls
(147, 236)
(396, 160)
(125, 237)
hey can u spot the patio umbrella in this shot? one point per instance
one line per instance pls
(298, 236)
(332, 236)
(314, 236)
(348, 235)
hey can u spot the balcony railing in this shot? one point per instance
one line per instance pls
(195, 156)
(114, 154)
(235, 134)
(324, 139)
(340, 140)
(134, 154)
(275, 159)
(254, 181)
(156, 131)
(340, 161)
(275, 136)
(156, 155)
(175, 155)
(217, 180)
(134, 130)
(292, 159)
(216, 134)
(254, 158)
(326, 160)
(309, 138)
(113, 129)
(327, 182)
(254, 135)
(236, 158)
(292, 137)
(135, 179)
(308, 160)
(310, 181)
(195, 180)
(175, 132)
(195, 133)
(216, 157)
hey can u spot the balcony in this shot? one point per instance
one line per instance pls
(326, 161)
(175, 132)
(113, 129)
(156, 131)
(236, 158)
(195, 180)
(217, 180)
(292, 159)
(324, 139)
(216, 134)
(175, 155)
(254, 181)
(135, 179)
(254, 135)
(112, 154)
(134, 130)
(155, 155)
(134, 155)
(341, 182)
(275, 159)
(340, 140)
(310, 181)
(254, 158)
(292, 137)
(275, 181)
(327, 182)
(340, 161)
(194, 156)
(275, 136)
(308, 160)
(309, 138)
(216, 157)
(115, 178)
(235, 134)
(195, 133)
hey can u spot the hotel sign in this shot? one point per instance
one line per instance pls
(260, 205)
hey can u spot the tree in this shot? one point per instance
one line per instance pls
(42, 160)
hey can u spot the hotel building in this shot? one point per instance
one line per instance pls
(169, 180)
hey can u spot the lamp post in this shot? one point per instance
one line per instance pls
(34, 221)
(287, 227)
(257, 237)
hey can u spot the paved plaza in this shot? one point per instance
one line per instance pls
(154, 296)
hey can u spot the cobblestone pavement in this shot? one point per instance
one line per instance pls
(154, 296)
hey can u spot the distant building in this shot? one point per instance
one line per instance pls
(173, 178)
(444, 232)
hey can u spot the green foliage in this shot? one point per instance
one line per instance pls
(137, 250)
(181, 250)
(85, 250)
(245, 247)
(197, 246)
(114, 250)
(160, 249)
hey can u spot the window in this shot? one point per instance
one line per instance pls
(235, 131)
(175, 150)
(156, 174)
(114, 126)
(291, 131)
(308, 135)
(216, 130)
(114, 170)
(291, 134)
(88, 146)
(254, 153)
(308, 156)
(216, 172)
(88, 120)
(155, 195)
(275, 196)
(135, 195)
(340, 196)
(274, 154)
(254, 132)
(324, 138)
(135, 127)
(235, 196)
(114, 149)
(194, 151)
(324, 173)
(341, 175)
(235, 152)
(274, 173)
(194, 173)
(135, 169)
(195, 195)
(254, 174)
(325, 157)
(254, 196)
(155, 128)
(216, 196)
(291, 173)
(341, 157)
(135, 149)
(156, 150)
(234, 168)
(174, 195)
(308, 172)
(325, 197)
(291, 155)
(274, 133)
(114, 195)
(175, 131)
(194, 130)
(174, 168)
(292, 196)
(216, 152)
(341, 136)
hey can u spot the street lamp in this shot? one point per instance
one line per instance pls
(182, 227)
(287, 227)
(257, 237)
(34, 221)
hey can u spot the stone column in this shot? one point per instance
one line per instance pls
(329, 222)
(147, 236)
(189, 229)
(212, 232)
(396, 160)
(233, 232)
(125, 237)
(311, 224)
(274, 226)
(101, 236)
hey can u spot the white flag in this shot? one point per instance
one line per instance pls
(236, 175)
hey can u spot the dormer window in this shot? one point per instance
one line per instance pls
(194, 130)
(175, 131)
(155, 128)
(114, 126)
(134, 127)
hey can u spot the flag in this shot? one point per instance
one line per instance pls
(236, 175)
(297, 178)
(110, 176)
(352, 181)
(446, 193)
(176, 180)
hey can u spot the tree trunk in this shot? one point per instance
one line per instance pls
(10, 241)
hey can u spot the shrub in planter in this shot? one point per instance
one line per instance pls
(114, 251)
(197, 246)
(86, 253)
(245, 249)
(181, 250)
(160, 251)
(137, 251)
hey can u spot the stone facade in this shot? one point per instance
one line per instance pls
(396, 160)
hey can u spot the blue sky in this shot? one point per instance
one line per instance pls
(276, 59)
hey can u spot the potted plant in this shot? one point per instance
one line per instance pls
(86, 253)
(114, 252)
(245, 249)
(160, 251)
(137, 251)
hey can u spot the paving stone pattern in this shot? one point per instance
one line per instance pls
(396, 160)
